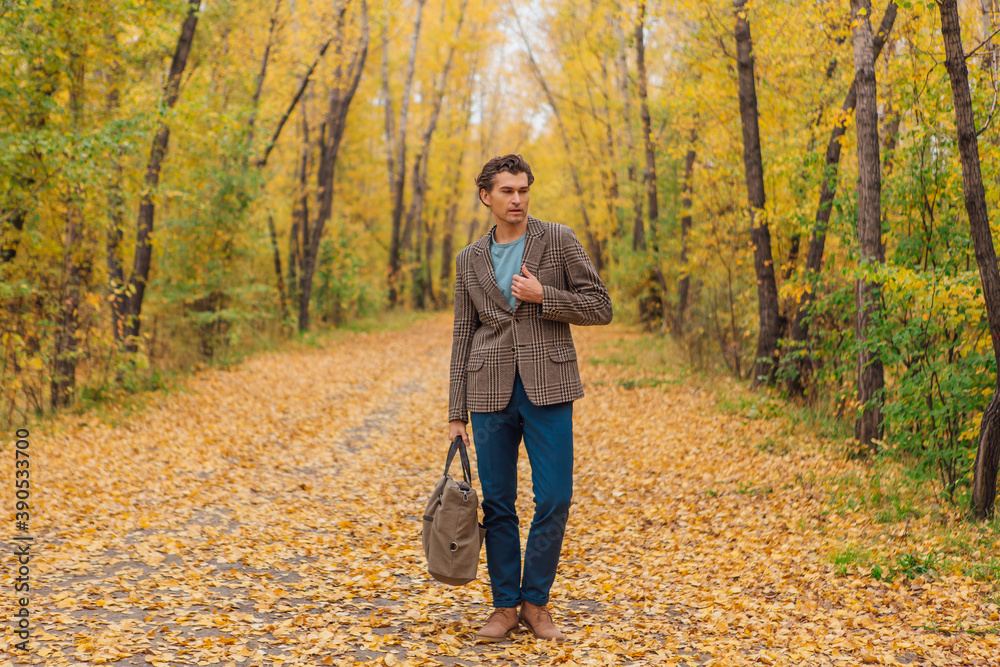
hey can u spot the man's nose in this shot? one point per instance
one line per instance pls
(517, 198)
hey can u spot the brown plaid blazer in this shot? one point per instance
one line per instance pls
(489, 337)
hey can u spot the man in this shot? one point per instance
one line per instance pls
(513, 367)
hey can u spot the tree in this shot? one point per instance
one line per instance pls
(649, 177)
(455, 188)
(984, 480)
(143, 256)
(621, 61)
(828, 189)
(77, 263)
(760, 235)
(657, 282)
(342, 90)
(397, 157)
(868, 426)
(414, 216)
(684, 282)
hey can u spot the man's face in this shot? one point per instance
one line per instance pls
(509, 198)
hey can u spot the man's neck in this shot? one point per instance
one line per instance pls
(507, 233)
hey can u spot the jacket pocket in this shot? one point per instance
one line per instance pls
(562, 353)
(476, 362)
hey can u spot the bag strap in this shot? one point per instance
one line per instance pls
(458, 445)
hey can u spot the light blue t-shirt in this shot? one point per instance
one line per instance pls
(506, 262)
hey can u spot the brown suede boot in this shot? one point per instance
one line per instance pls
(500, 624)
(539, 621)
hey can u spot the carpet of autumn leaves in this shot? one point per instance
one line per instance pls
(268, 514)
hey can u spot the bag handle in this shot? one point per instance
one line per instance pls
(458, 445)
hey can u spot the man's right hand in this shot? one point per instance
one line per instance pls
(456, 427)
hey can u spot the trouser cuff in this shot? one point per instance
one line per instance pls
(535, 601)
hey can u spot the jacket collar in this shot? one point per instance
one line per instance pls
(482, 261)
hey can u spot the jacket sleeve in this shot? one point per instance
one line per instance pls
(466, 323)
(587, 300)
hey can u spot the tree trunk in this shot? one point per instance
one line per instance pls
(63, 382)
(75, 260)
(399, 178)
(251, 127)
(638, 231)
(984, 479)
(767, 292)
(342, 92)
(414, 216)
(116, 208)
(427, 281)
(793, 252)
(649, 177)
(277, 266)
(447, 245)
(817, 243)
(143, 245)
(259, 86)
(390, 133)
(421, 270)
(116, 277)
(654, 303)
(611, 145)
(299, 233)
(684, 284)
(869, 426)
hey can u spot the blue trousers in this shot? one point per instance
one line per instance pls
(548, 439)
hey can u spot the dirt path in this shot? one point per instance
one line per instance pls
(269, 515)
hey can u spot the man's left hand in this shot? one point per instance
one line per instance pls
(526, 287)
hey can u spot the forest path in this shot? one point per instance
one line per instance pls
(269, 515)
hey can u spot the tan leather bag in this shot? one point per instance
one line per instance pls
(452, 535)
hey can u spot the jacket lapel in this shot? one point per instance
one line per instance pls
(534, 246)
(488, 279)
(482, 262)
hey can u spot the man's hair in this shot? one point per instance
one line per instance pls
(512, 164)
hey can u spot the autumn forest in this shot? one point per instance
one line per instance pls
(797, 199)
(179, 180)
(798, 194)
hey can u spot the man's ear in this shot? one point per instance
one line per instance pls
(481, 192)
